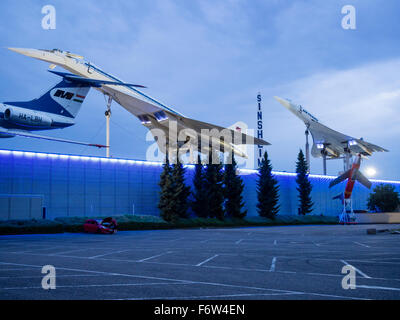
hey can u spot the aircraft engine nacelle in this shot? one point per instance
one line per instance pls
(316, 151)
(26, 117)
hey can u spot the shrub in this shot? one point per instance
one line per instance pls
(29, 227)
(383, 199)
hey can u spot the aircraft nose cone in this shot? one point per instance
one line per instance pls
(43, 55)
(33, 53)
(26, 52)
(283, 102)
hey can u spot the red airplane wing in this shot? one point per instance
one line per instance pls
(339, 179)
(363, 180)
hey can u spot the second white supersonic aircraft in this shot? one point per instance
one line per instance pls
(328, 142)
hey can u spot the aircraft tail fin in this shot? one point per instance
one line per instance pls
(340, 197)
(339, 179)
(67, 96)
(63, 99)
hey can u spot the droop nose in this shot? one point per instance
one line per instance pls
(284, 102)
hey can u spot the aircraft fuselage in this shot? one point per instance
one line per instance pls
(13, 117)
(351, 180)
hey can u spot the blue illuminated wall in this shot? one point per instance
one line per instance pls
(91, 186)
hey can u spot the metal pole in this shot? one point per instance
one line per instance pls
(324, 161)
(108, 116)
(346, 158)
(307, 151)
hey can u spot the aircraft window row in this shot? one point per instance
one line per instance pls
(144, 119)
(160, 116)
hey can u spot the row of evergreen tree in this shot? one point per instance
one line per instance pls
(218, 190)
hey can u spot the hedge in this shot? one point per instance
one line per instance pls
(130, 222)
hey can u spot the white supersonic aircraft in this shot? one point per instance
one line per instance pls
(152, 113)
(326, 140)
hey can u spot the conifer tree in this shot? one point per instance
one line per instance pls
(267, 190)
(304, 186)
(166, 202)
(199, 204)
(214, 188)
(181, 192)
(233, 189)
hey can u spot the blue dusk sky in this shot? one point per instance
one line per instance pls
(208, 59)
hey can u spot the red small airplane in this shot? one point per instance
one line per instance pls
(352, 175)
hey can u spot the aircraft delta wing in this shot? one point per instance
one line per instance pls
(152, 113)
(325, 139)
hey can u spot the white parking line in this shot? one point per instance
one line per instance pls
(106, 254)
(358, 270)
(215, 296)
(272, 268)
(58, 276)
(98, 272)
(361, 244)
(17, 269)
(205, 261)
(64, 252)
(232, 268)
(250, 270)
(157, 255)
(378, 288)
(99, 285)
(34, 250)
(373, 261)
(190, 282)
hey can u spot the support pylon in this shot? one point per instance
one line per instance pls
(108, 116)
(347, 217)
(307, 151)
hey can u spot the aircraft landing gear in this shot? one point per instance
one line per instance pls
(346, 159)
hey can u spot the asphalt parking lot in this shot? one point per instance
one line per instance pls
(292, 262)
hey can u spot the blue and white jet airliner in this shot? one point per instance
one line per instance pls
(55, 109)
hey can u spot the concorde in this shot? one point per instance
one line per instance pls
(152, 113)
(327, 141)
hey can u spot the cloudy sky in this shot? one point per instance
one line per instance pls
(209, 58)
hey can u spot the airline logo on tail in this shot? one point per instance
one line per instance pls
(68, 95)
(69, 98)
(64, 95)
